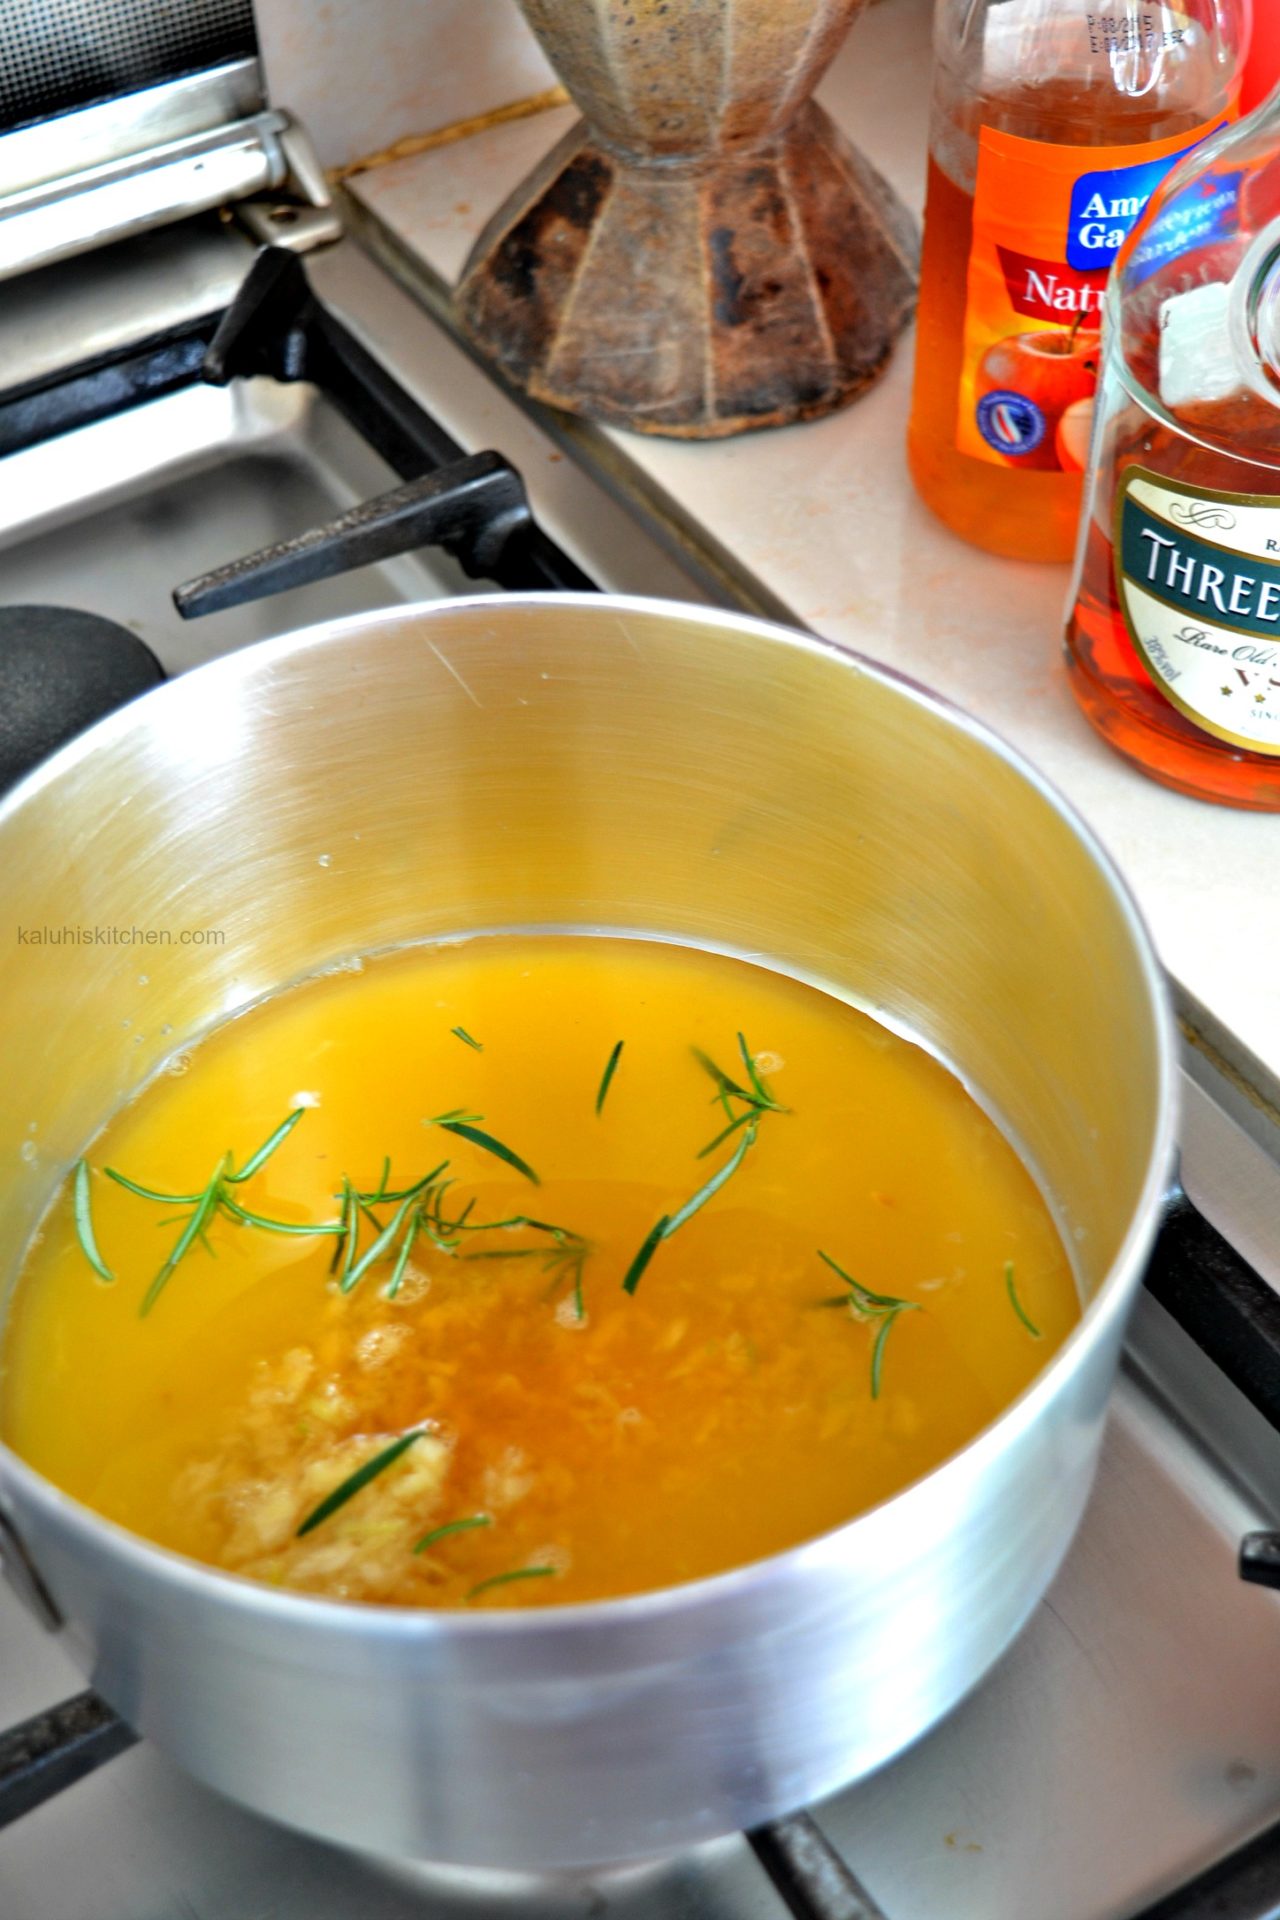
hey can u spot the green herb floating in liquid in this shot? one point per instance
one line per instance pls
(466, 1039)
(1017, 1305)
(606, 1078)
(463, 1125)
(355, 1482)
(505, 1579)
(84, 1223)
(657, 1234)
(884, 1307)
(450, 1527)
(213, 1199)
(757, 1101)
(267, 1148)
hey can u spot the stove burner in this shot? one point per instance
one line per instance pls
(473, 508)
(62, 670)
(41, 1756)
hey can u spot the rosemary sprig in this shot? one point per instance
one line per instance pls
(756, 1101)
(566, 1257)
(462, 1034)
(382, 1193)
(462, 1124)
(354, 1482)
(214, 1198)
(505, 1579)
(756, 1094)
(206, 1206)
(606, 1078)
(450, 1527)
(84, 1223)
(884, 1307)
(377, 1249)
(1017, 1305)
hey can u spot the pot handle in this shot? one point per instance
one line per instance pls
(1232, 1315)
(808, 1872)
(1213, 1293)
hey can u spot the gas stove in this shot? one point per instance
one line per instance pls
(284, 437)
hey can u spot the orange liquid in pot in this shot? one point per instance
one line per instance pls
(716, 1414)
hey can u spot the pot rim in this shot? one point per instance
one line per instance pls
(406, 1623)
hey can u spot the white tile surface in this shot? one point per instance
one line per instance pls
(361, 74)
(824, 519)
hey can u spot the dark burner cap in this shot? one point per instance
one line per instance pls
(60, 670)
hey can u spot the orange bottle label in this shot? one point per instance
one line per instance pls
(1048, 222)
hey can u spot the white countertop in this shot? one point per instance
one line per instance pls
(821, 520)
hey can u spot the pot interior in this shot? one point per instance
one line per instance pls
(585, 763)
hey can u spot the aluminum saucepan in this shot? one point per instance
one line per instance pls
(584, 762)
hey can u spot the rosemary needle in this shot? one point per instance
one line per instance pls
(354, 1482)
(250, 1219)
(504, 1579)
(437, 1534)
(466, 1038)
(1017, 1305)
(486, 1141)
(606, 1078)
(402, 1258)
(717, 1180)
(84, 1223)
(877, 1347)
(149, 1193)
(645, 1255)
(268, 1147)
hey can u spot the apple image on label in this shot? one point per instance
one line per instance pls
(1072, 438)
(1050, 372)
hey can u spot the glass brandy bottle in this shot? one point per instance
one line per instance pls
(1173, 640)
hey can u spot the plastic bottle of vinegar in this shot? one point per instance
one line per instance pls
(1053, 122)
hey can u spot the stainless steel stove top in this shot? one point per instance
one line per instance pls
(1131, 1737)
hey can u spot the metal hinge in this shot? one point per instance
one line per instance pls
(85, 179)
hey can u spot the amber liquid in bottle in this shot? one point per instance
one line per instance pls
(1108, 678)
(1008, 509)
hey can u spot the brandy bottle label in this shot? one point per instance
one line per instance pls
(1048, 223)
(1198, 580)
